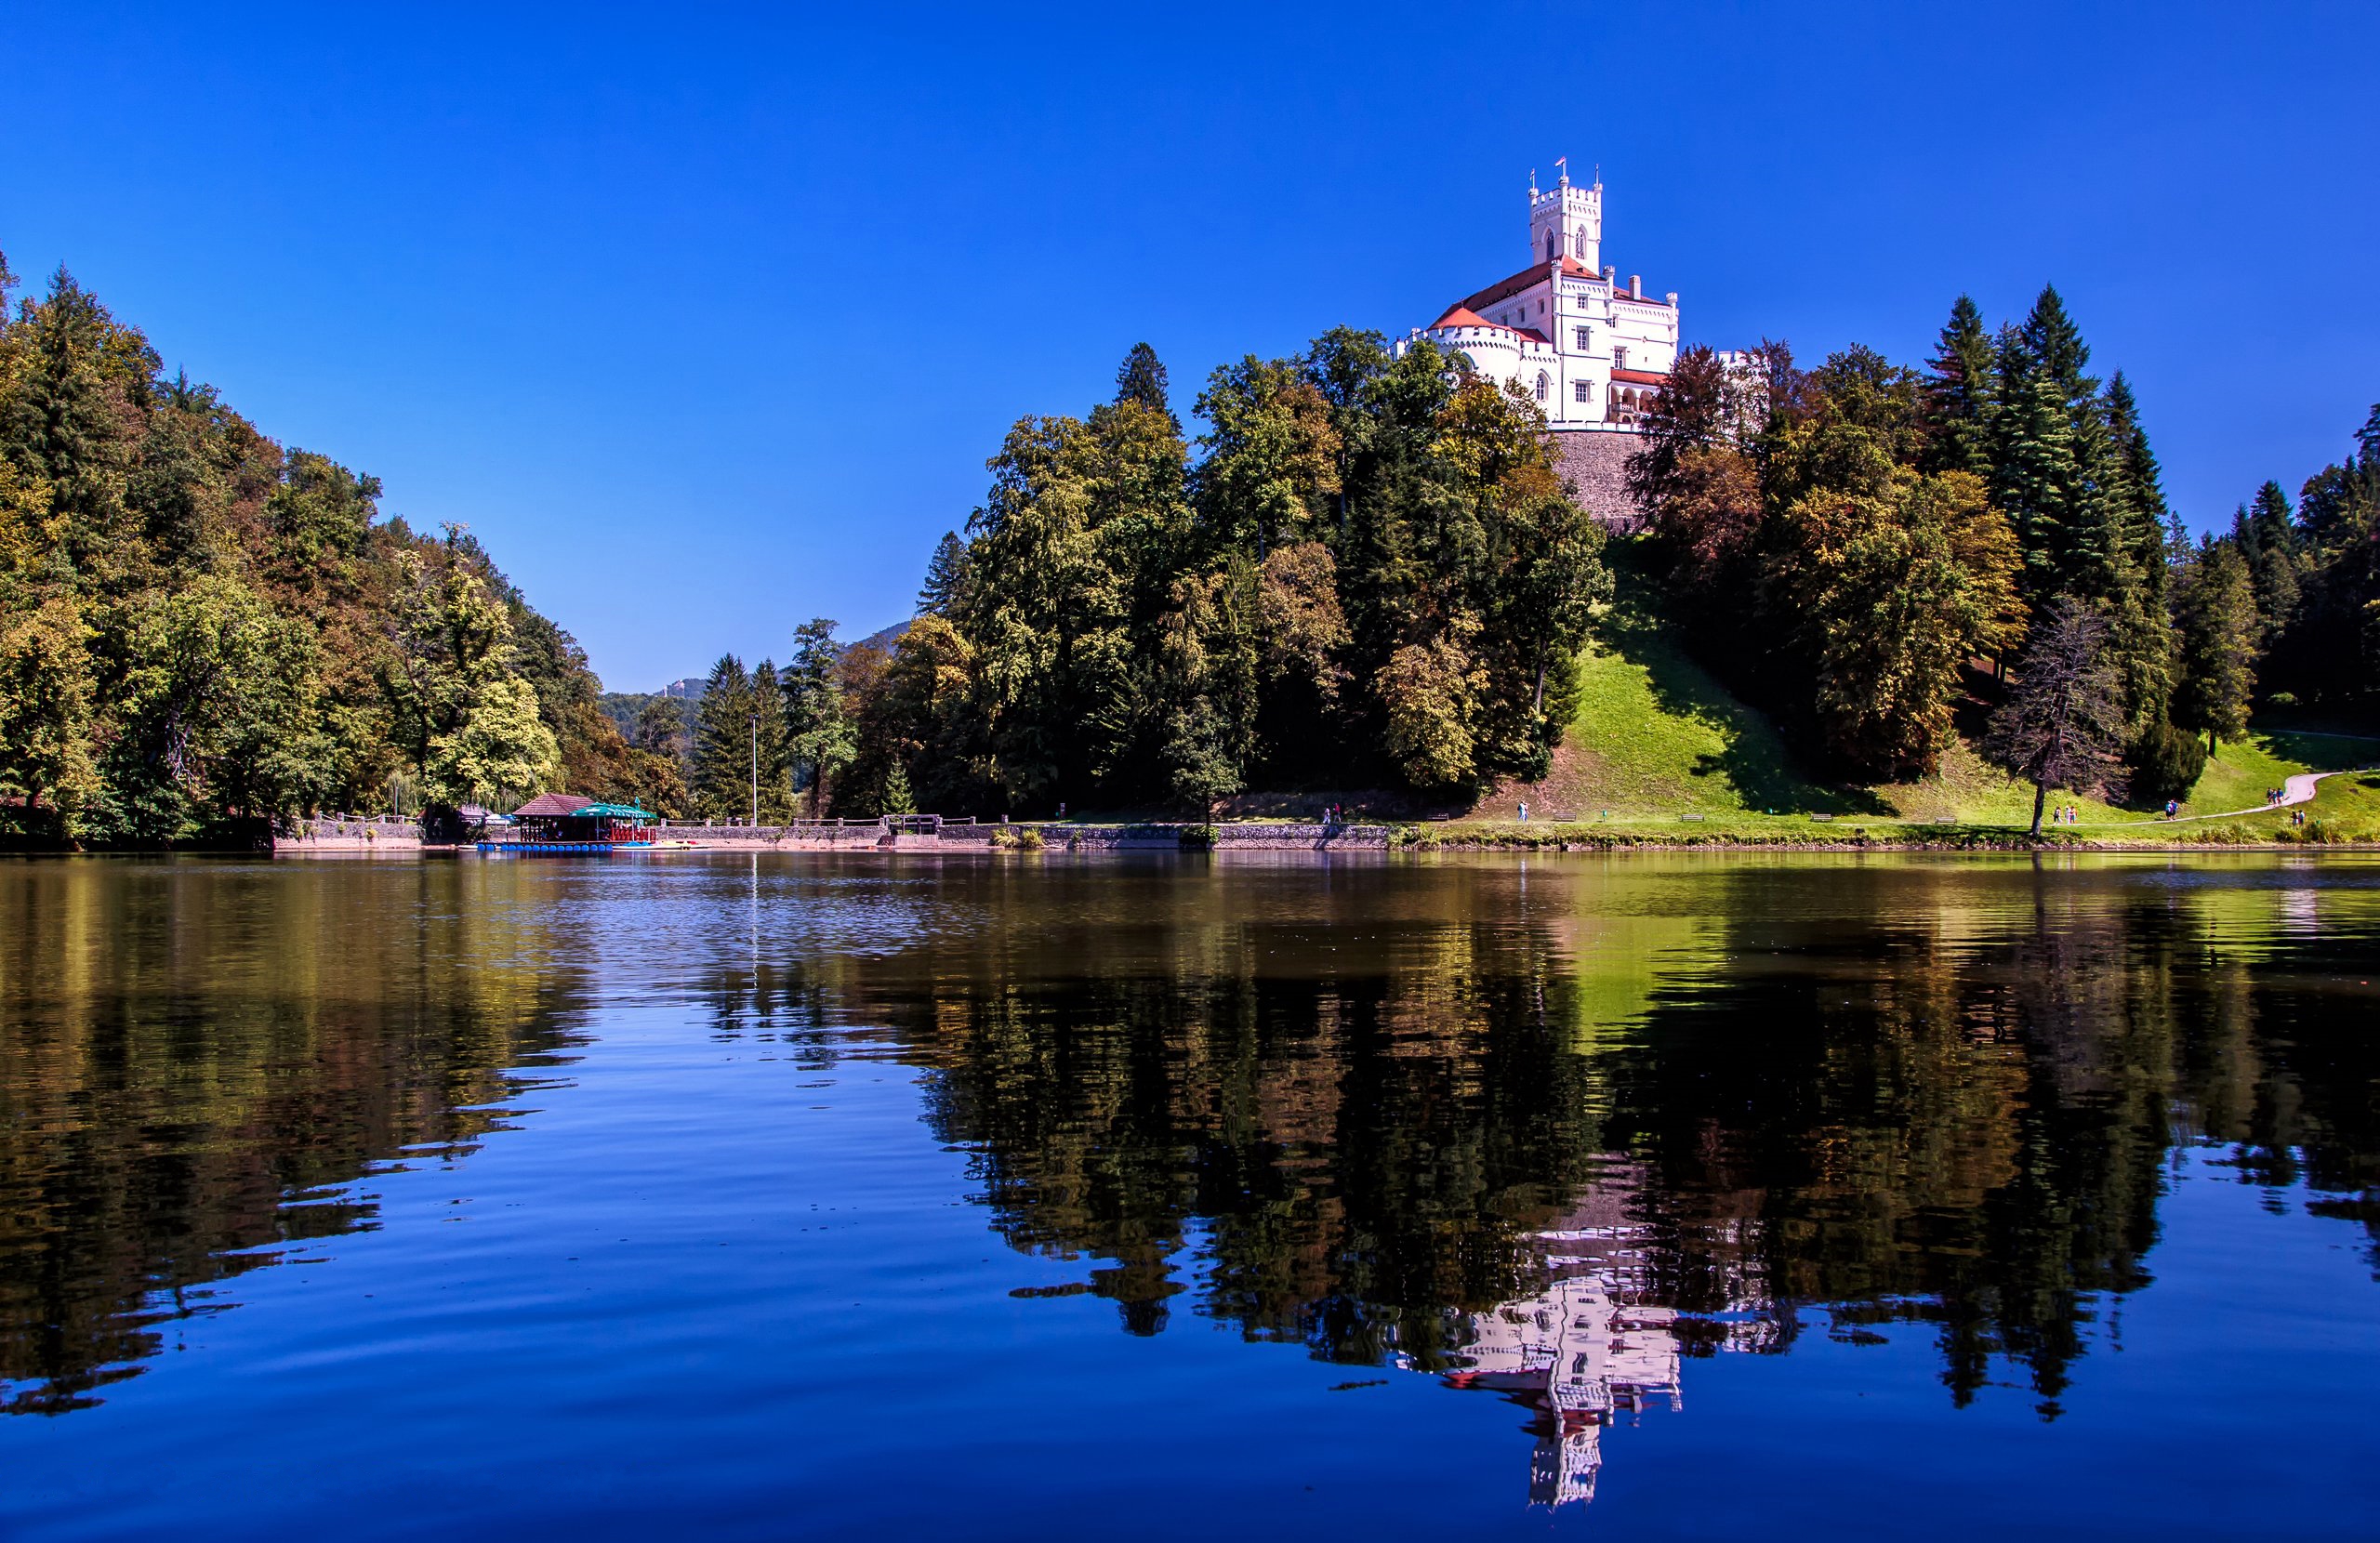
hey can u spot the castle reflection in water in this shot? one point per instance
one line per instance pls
(1592, 1346)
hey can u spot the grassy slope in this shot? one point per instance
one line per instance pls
(1656, 738)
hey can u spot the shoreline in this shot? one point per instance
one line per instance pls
(397, 838)
(1051, 839)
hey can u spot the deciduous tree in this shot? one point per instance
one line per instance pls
(2062, 723)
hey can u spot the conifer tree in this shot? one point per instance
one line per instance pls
(772, 743)
(79, 371)
(946, 576)
(2265, 534)
(2141, 485)
(1141, 378)
(2219, 632)
(2034, 472)
(2329, 648)
(896, 797)
(2052, 348)
(2097, 562)
(723, 741)
(1959, 394)
(818, 738)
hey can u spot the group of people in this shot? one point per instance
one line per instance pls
(2064, 814)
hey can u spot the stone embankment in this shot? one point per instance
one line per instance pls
(350, 833)
(1035, 835)
(404, 837)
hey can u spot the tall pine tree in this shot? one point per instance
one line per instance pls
(946, 575)
(818, 736)
(2138, 485)
(2215, 615)
(723, 740)
(772, 741)
(2266, 533)
(1958, 395)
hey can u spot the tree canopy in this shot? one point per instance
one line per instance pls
(203, 630)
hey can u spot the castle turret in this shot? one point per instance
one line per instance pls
(1566, 221)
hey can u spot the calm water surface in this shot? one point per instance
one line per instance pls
(785, 1196)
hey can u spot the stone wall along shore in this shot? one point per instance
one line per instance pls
(399, 836)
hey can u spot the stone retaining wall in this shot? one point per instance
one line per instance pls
(1232, 838)
(799, 838)
(404, 837)
(344, 834)
(1595, 463)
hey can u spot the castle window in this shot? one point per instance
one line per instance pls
(1582, 390)
(1583, 242)
(1543, 386)
(1585, 339)
(1619, 359)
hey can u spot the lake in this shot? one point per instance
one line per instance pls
(754, 1195)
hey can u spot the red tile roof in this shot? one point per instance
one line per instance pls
(1529, 278)
(1504, 289)
(1462, 317)
(1640, 377)
(553, 803)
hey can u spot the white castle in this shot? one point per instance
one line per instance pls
(1590, 349)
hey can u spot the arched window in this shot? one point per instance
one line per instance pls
(1551, 247)
(1581, 252)
(1543, 386)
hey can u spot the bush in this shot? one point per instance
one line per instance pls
(2166, 763)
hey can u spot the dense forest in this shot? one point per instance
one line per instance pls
(1846, 542)
(1369, 574)
(203, 632)
(1366, 574)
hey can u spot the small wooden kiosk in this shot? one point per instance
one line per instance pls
(565, 822)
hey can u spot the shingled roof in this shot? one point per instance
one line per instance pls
(553, 803)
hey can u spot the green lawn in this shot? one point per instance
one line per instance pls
(1659, 748)
(1656, 735)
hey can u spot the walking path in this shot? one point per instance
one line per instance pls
(2296, 789)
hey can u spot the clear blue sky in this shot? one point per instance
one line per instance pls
(705, 322)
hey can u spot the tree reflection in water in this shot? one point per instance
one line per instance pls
(1552, 1129)
(1851, 1097)
(197, 1064)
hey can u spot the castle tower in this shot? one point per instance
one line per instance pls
(1565, 221)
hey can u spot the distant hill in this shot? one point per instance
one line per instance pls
(885, 640)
